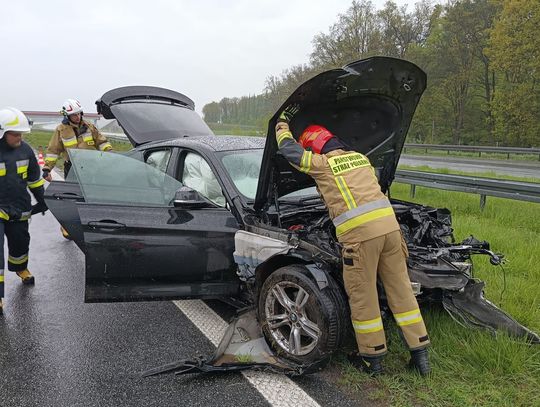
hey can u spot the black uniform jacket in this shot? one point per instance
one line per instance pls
(19, 171)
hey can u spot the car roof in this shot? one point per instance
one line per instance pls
(214, 143)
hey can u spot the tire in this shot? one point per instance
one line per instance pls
(304, 330)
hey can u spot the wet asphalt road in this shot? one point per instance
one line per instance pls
(57, 351)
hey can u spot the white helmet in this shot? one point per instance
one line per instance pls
(71, 106)
(12, 119)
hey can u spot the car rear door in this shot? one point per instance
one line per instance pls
(138, 245)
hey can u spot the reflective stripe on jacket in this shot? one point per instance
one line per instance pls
(348, 185)
(19, 171)
(67, 135)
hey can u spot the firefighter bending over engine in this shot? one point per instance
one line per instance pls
(373, 246)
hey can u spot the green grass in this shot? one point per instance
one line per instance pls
(467, 154)
(236, 129)
(41, 139)
(470, 367)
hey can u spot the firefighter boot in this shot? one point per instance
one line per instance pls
(65, 233)
(371, 365)
(26, 277)
(419, 361)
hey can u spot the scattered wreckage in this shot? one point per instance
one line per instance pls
(186, 214)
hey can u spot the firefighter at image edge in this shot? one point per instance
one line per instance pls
(73, 132)
(373, 246)
(19, 170)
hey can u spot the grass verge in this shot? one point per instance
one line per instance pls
(470, 367)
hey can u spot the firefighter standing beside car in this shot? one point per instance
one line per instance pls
(19, 170)
(368, 230)
(73, 132)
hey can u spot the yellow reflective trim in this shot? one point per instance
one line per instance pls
(345, 192)
(1, 279)
(2, 172)
(347, 162)
(407, 314)
(362, 219)
(408, 318)
(3, 215)
(18, 260)
(105, 146)
(283, 136)
(305, 162)
(14, 122)
(372, 325)
(36, 184)
(410, 321)
(22, 169)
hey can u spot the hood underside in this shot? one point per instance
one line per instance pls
(369, 104)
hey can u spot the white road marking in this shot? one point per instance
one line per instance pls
(277, 389)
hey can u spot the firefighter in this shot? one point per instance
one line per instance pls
(73, 132)
(373, 246)
(19, 170)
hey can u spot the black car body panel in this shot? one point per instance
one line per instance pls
(369, 104)
(140, 111)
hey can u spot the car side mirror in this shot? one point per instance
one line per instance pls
(186, 197)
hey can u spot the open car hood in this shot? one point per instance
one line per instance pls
(147, 113)
(368, 104)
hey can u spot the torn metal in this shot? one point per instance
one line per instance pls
(242, 347)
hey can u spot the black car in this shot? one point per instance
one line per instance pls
(187, 214)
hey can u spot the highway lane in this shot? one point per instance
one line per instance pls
(528, 169)
(57, 351)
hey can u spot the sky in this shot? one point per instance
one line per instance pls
(207, 49)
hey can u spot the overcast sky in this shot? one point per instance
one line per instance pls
(206, 49)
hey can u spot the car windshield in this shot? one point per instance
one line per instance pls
(243, 168)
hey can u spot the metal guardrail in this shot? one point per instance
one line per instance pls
(116, 137)
(474, 149)
(522, 191)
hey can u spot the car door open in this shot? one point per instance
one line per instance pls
(142, 245)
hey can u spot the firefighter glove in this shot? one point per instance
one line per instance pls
(289, 112)
(39, 207)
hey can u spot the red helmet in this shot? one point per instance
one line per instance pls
(315, 136)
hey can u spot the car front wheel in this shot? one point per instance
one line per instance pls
(300, 321)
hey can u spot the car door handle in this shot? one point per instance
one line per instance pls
(106, 224)
(67, 195)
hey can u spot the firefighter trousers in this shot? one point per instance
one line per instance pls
(18, 240)
(385, 257)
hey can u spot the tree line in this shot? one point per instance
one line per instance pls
(482, 58)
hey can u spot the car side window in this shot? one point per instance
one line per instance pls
(112, 178)
(198, 175)
(159, 159)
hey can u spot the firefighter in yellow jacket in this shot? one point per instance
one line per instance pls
(73, 132)
(367, 228)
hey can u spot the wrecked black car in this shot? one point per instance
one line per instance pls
(187, 214)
